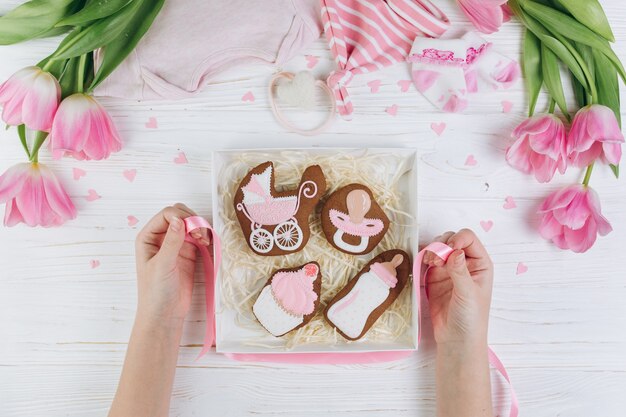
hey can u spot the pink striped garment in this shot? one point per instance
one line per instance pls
(368, 35)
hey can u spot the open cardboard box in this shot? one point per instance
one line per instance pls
(243, 274)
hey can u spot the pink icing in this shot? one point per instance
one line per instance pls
(437, 56)
(368, 227)
(294, 290)
(384, 274)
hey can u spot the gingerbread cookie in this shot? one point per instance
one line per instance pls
(366, 297)
(352, 220)
(289, 299)
(277, 222)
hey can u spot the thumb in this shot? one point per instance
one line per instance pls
(457, 268)
(172, 243)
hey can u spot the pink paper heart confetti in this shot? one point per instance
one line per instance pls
(311, 61)
(486, 225)
(521, 268)
(92, 195)
(404, 85)
(94, 263)
(130, 174)
(392, 110)
(509, 203)
(471, 161)
(507, 106)
(249, 97)
(181, 158)
(438, 128)
(152, 123)
(132, 220)
(374, 86)
(78, 173)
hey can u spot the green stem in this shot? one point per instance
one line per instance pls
(47, 65)
(552, 105)
(80, 83)
(40, 138)
(588, 175)
(21, 132)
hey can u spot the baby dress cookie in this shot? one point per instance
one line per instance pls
(289, 299)
(277, 222)
(352, 220)
(355, 309)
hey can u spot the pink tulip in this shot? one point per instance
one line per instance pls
(31, 97)
(572, 218)
(34, 196)
(595, 134)
(486, 15)
(539, 147)
(83, 129)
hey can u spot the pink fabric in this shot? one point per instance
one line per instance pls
(191, 42)
(366, 36)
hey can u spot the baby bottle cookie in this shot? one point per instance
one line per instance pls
(355, 309)
(277, 222)
(352, 220)
(289, 299)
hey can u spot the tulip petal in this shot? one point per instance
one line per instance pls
(561, 198)
(580, 240)
(611, 153)
(41, 103)
(518, 156)
(12, 181)
(574, 215)
(60, 203)
(549, 227)
(12, 215)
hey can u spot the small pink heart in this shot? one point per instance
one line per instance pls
(486, 225)
(94, 263)
(130, 174)
(521, 268)
(404, 85)
(374, 86)
(509, 203)
(132, 220)
(471, 161)
(152, 123)
(507, 106)
(248, 97)
(181, 158)
(78, 173)
(438, 128)
(311, 60)
(92, 195)
(392, 110)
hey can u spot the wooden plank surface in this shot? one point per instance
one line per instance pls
(64, 326)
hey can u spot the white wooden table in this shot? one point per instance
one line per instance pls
(559, 327)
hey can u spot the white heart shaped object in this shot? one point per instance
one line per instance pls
(299, 92)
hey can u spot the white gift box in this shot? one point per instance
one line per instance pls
(243, 275)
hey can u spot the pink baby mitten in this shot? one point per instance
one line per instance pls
(447, 71)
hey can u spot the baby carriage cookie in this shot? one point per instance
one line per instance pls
(277, 222)
(352, 220)
(355, 309)
(289, 299)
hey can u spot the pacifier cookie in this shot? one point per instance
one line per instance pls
(355, 309)
(289, 299)
(277, 222)
(352, 220)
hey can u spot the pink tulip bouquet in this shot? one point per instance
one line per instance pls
(52, 102)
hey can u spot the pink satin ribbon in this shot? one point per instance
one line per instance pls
(211, 266)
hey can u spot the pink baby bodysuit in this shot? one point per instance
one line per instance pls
(191, 41)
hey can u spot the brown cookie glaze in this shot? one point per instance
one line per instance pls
(352, 220)
(289, 299)
(277, 222)
(355, 309)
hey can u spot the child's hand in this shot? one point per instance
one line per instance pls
(166, 265)
(459, 291)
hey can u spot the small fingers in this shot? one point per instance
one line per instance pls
(430, 258)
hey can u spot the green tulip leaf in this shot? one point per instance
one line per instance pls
(565, 25)
(615, 169)
(33, 19)
(607, 84)
(590, 14)
(94, 10)
(117, 50)
(552, 78)
(532, 68)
